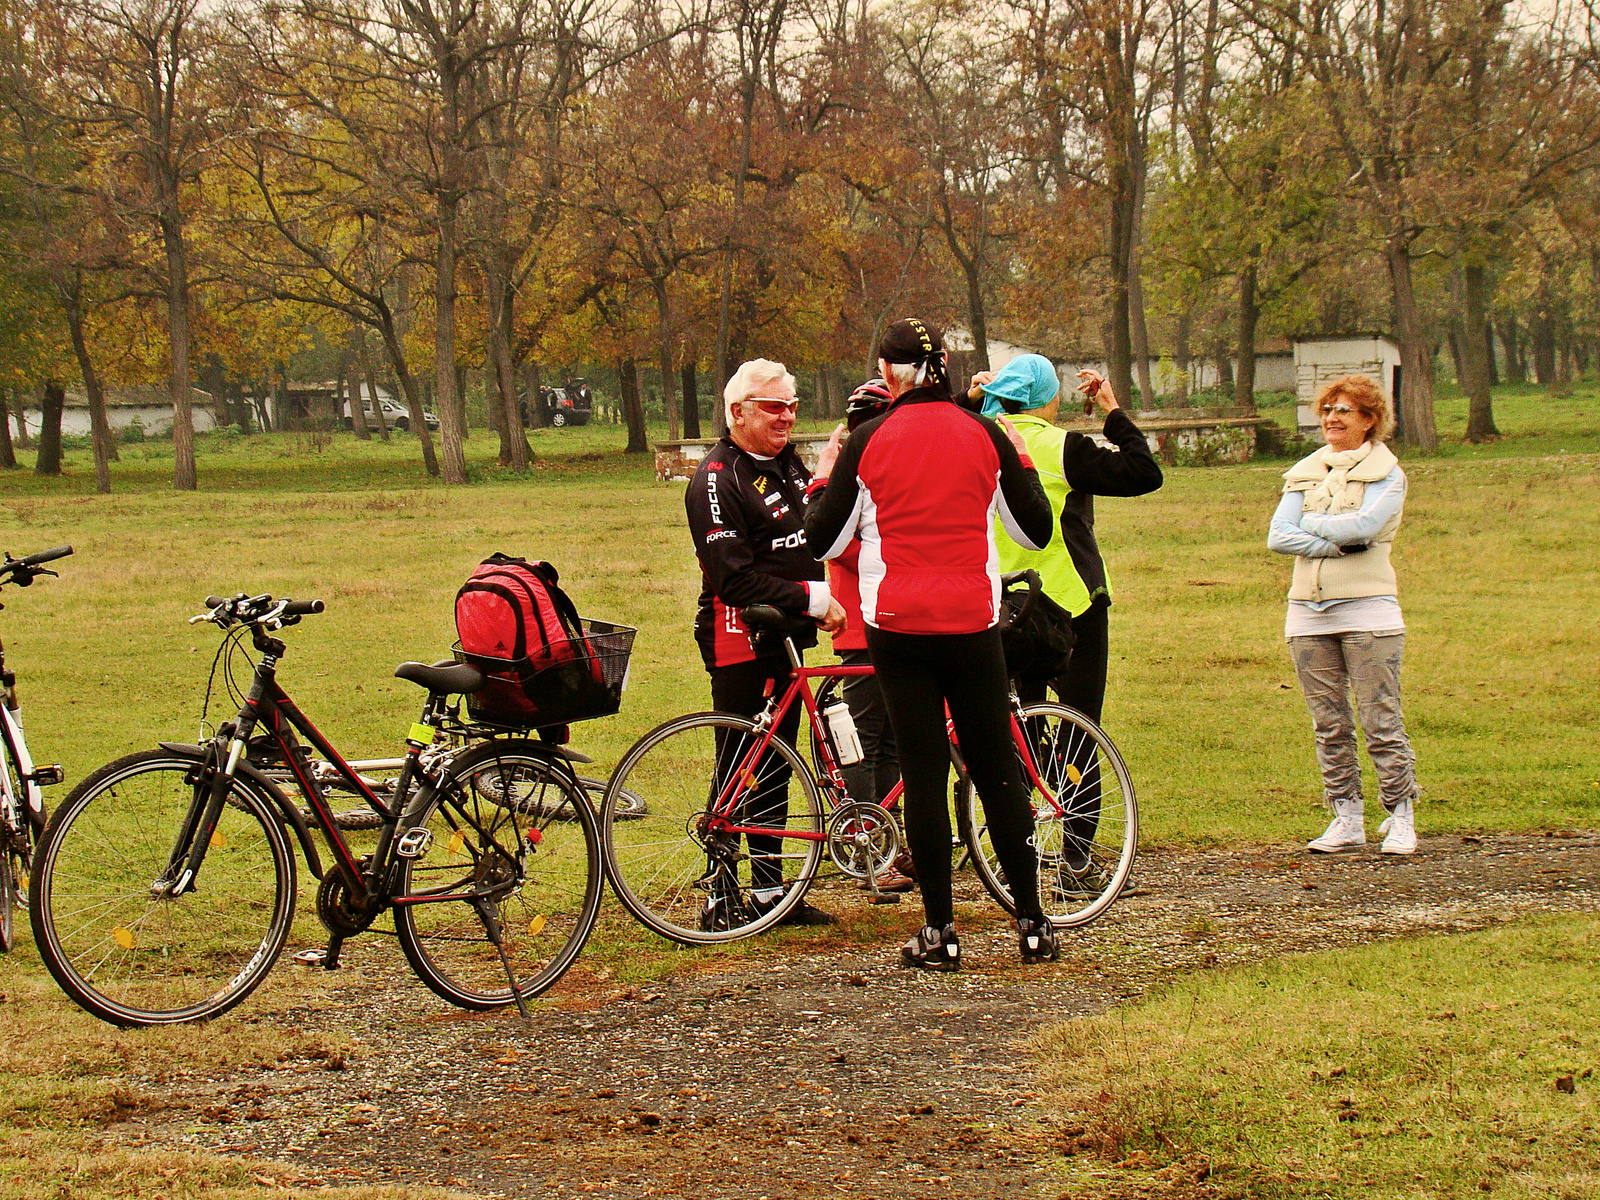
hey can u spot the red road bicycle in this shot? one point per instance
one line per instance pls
(736, 821)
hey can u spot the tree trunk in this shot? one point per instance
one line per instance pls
(1543, 332)
(360, 388)
(364, 357)
(1488, 341)
(1119, 342)
(105, 446)
(535, 395)
(408, 388)
(1244, 383)
(669, 400)
(454, 460)
(184, 476)
(1516, 368)
(1416, 363)
(971, 269)
(1476, 354)
(8, 452)
(747, 102)
(632, 407)
(1180, 359)
(514, 449)
(48, 461)
(1138, 329)
(1224, 360)
(691, 398)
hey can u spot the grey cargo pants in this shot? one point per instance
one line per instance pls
(1331, 668)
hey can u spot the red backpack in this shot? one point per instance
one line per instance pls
(512, 609)
(518, 627)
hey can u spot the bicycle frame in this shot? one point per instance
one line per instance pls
(269, 708)
(831, 777)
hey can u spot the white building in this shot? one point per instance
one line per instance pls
(149, 407)
(1317, 360)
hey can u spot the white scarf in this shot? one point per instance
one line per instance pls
(1334, 480)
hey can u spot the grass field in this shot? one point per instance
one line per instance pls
(1498, 576)
(1419, 1068)
(1496, 564)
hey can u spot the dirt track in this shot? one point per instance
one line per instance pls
(826, 1075)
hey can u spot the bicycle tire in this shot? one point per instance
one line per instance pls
(1071, 744)
(675, 876)
(497, 827)
(132, 958)
(9, 864)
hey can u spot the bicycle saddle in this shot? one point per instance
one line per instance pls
(445, 678)
(764, 616)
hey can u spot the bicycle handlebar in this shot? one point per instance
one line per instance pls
(23, 571)
(1031, 578)
(44, 556)
(256, 610)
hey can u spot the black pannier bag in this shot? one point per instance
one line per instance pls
(546, 664)
(1035, 632)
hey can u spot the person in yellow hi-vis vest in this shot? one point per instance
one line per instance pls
(1074, 470)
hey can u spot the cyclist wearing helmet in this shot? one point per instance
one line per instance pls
(920, 486)
(746, 508)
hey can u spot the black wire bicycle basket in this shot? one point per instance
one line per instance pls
(580, 684)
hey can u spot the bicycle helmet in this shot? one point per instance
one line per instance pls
(870, 400)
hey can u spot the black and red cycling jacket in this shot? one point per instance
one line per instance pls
(747, 518)
(920, 486)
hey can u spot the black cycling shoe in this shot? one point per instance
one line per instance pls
(933, 950)
(1036, 940)
(801, 914)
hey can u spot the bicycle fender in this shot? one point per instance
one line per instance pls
(291, 814)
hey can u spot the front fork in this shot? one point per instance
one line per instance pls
(210, 791)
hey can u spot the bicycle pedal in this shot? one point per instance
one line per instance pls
(316, 956)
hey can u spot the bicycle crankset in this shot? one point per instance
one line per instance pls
(337, 910)
(863, 840)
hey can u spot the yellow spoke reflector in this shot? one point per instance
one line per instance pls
(217, 840)
(124, 938)
(457, 840)
(1074, 774)
(536, 926)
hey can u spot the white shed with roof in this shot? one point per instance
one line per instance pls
(1319, 359)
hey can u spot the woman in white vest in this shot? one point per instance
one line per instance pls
(1339, 513)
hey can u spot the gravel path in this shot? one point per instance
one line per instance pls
(832, 1074)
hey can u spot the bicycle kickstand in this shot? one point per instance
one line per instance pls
(491, 926)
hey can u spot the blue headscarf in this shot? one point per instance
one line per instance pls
(1028, 380)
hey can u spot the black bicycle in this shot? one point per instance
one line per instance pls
(22, 811)
(165, 882)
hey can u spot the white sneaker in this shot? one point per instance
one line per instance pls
(1346, 832)
(1401, 829)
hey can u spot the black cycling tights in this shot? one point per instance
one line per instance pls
(919, 675)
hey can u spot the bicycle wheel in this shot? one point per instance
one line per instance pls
(512, 838)
(677, 868)
(1086, 821)
(130, 954)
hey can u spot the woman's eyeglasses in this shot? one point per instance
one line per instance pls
(1343, 410)
(774, 408)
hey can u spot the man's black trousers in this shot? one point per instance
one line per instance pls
(742, 689)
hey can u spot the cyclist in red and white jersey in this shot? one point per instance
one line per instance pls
(921, 486)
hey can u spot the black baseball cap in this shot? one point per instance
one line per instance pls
(909, 341)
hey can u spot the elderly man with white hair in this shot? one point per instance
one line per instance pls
(746, 507)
